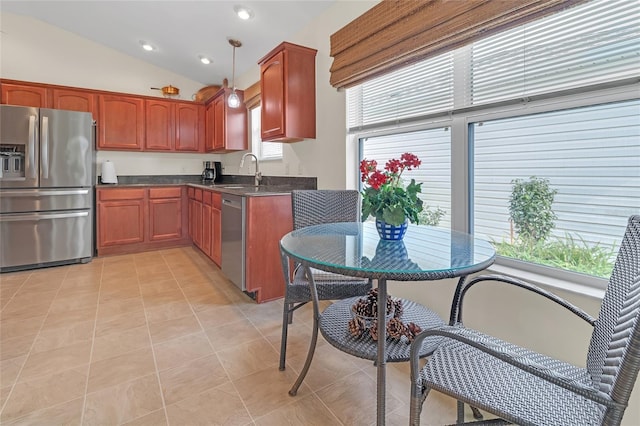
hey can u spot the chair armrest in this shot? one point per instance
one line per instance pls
(464, 286)
(476, 340)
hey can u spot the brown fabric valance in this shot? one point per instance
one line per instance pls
(395, 33)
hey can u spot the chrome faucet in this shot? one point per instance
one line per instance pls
(258, 175)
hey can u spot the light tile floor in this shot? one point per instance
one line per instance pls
(163, 338)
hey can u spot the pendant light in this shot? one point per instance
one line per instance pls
(234, 101)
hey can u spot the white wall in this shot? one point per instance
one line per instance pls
(326, 156)
(35, 51)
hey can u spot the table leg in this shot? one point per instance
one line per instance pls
(382, 340)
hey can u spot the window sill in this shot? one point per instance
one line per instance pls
(549, 282)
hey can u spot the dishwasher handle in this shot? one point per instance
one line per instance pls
(232, 203)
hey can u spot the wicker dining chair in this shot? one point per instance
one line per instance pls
(315, 207)
(527, 388)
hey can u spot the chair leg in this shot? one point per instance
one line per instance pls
(287, 315)
(418, 395)
(460, 418)
(476, 413)
(312, 348)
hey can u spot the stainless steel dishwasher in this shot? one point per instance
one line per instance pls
(233, 238)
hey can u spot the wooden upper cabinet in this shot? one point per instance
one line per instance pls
(76, 100)
(288, 93)
(121, 122)
(25, 95)
(219, 126)
(159, 122)
(189, 127)
(227, 126)
(210, 126)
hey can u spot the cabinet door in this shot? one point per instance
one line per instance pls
(220, 125)
(159, 122)
(165, 219)
(272, 97)
(210, 125)
(188, 125)
(216, 239)
(25, 95)
(121, 216)
(120, 222)
(197, 223)
(76, 100)
(121, 122)
(206, 230)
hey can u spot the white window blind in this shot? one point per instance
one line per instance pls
(593, 43)
(262, 150)
(411, 92)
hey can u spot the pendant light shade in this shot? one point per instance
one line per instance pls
(234, 101)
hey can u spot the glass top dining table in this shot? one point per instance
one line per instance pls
(354, 249)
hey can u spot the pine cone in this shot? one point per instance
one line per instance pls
(399, 308)
(396, 329)
(373, 330)
(412, 331)
(390, 305)
(356, 327)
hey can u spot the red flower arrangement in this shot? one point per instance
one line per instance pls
(386, 198)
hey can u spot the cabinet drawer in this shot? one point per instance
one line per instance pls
(197, 194)
(216, 200)
(206, 197)
(169, 192)
(120, 194)
(190, 192)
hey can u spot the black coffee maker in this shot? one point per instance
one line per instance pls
(212, 171)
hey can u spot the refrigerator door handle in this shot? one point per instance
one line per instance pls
(41, 216)
(31, 166)
(44, 147)
(41, 192)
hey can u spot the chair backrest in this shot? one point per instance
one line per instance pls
(613, 359)
(315, 207)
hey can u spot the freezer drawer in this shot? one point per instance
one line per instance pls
(38, 200)
(36, 239)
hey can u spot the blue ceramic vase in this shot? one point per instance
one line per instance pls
(391, 232)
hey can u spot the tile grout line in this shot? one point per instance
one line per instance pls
(32, 345)
(212, 346)
(93, 340)
(153, 351)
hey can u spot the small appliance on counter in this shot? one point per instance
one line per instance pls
(212, 171)
(109, 173)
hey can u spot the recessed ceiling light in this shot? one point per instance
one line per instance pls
(204, 60)
(243, 13)
(146, 46)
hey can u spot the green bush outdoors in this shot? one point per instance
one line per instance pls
(429, 216)
(564, 253)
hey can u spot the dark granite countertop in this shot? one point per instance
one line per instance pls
(230, 184)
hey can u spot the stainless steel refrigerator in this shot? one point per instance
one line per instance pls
(46, 187)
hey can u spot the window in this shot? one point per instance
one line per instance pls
(554, 103)
(587, 158)
(262, 150)
(433, 147)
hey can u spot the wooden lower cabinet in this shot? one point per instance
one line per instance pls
(268, 219)
(120, 217)
(165, 213)
(131, 220)
(205, 223)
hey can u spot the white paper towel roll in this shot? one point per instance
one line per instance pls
(109, 172)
